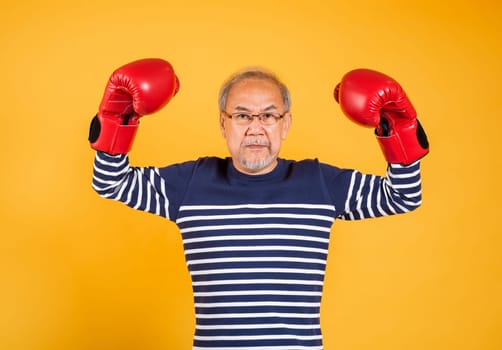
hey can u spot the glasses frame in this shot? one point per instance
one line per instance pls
(232, 116)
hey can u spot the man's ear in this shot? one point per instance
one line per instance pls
(286, 125)
(222, 125)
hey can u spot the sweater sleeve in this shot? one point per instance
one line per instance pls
(360, 196)
(141, 188)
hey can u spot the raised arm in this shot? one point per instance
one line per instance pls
(373, 99)
(360, 196)
(134, 90)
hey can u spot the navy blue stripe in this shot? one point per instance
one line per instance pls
(255, 253)
(292, 232)
(259, 331)
(262, 297)
(258, 320)
(259, 286)
(249, 344)
(257, 275)
(256, 242)
(256, 309)
(257, 264)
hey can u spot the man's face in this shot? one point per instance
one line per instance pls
(254, 148)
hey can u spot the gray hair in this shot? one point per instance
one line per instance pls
(253, 73)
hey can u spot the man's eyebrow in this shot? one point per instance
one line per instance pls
(241, 108)
(245, 109)
(270, 107)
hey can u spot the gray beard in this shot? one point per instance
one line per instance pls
(258, 164)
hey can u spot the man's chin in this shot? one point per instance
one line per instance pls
(255, 165)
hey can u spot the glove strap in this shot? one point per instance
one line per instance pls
(406, 145)
(108, 136)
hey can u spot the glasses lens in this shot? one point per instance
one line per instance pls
(269, 118)
(242, 118)
(264, 118)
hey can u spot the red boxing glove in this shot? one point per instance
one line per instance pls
(370, 98)
(136, 89)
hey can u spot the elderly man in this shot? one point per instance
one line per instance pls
(256, 227)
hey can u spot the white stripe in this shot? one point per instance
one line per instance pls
(257, 292)
(378, 202)
(358, 198)
(260, 337)
(255, 238)
(163, 192)
(358, 195)
(258, 314)
(414, 194)
(255, 303)
(255, 216)
(149, 188)
(349, 192)
(131, 188)
(400, 166)
(407, 185)
(388, 197)
(256, 259)
(139, 197)
(370, 194)
(257, 281)
(111, 173)
(254, 226)
(258, 206)
(260, 326)
(114, 163)
(393, 204)
(157, 205)
(414, 203)
(112, 184)
(255, 248)
(256, 270)
(290, 347)
(403, 176)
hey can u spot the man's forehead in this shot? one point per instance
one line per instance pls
(270, 107)
(253, 86)
(252, 81)
(252, 93)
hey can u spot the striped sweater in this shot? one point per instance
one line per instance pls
(256, 246)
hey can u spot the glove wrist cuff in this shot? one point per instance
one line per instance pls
(108, 136)
(406, 145)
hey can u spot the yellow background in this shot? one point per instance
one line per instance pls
(79, 272)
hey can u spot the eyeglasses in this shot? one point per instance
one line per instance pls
(265, 118)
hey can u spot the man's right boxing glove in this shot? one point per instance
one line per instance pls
(370, 98)
(136, 89)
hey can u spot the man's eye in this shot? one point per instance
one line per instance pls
(242, 116)
(267, 115)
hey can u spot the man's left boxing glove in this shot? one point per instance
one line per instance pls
(136, 89)
(373, 99)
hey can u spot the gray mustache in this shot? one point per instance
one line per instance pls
(255, 142)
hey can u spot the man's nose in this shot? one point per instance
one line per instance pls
(256, 126)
